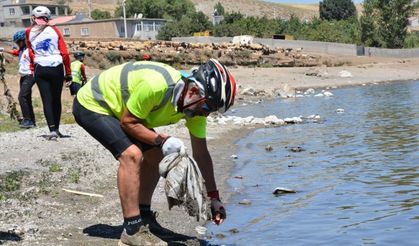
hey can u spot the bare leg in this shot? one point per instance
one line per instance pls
(149, 174)
(129, 180)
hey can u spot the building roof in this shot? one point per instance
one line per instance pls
(61, 19)
(37, 4)
(88, 21)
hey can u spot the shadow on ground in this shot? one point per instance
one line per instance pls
(7, 236)
(114, 232)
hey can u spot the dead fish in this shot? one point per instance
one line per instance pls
(245, 202)
(238, 177)
(282, 190)
(296, 149)
(233, 231)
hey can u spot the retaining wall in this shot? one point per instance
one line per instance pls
(311, 46)
(7, 32)
(314, 46)
(308, 46)
(402, 53)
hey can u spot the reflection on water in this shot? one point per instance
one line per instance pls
(357, 180)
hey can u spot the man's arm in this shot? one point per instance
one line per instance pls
(204, 161)
(133, 126)
(14, 52)
(83, 74)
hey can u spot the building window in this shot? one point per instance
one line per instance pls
(84, 31)
(66, 32)
(148, 27)
(138, 27)
(25, 10)
(12, 11)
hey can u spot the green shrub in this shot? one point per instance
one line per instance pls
(74, 175)
(113, 56)
(53, 168)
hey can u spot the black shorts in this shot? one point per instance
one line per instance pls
(106, 129)
(74, 88)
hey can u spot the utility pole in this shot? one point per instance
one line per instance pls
(89, 4)
(125, 19)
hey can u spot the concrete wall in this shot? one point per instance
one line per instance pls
(313, 46)
(96, 30)
(402, 53)
(7, 32)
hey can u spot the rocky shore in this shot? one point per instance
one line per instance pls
(103, 53)
(35, 210)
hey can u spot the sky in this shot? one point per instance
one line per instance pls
(303, 1)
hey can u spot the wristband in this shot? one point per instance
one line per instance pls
(159, 141)
(213, 194)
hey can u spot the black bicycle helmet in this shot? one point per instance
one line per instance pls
(78, 54)
(219, 85)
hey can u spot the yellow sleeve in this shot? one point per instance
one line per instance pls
(197, 126)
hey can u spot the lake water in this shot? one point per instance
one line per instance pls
(357, 180)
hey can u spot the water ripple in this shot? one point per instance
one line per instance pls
(357, 181)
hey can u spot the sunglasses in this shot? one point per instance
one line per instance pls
(207, 108)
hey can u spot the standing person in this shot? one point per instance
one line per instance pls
(49, 59)
(78, 73)
(26, 81)
(121, 106)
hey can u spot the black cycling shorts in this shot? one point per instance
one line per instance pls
(74, 88)
(106, 129)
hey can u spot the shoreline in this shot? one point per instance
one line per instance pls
(270, 80)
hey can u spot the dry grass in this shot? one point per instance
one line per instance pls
(246, 7)
(258, 8)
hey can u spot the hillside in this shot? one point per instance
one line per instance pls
(259, 8)
(246, 7)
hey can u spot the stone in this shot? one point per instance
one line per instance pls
(248, 92)
(285, 91)
(273, 120)
(327, 93)
(257, 121)
(268, 148)
(309, 91)
(345, 74)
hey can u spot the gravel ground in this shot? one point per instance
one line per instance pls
(39, 212)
